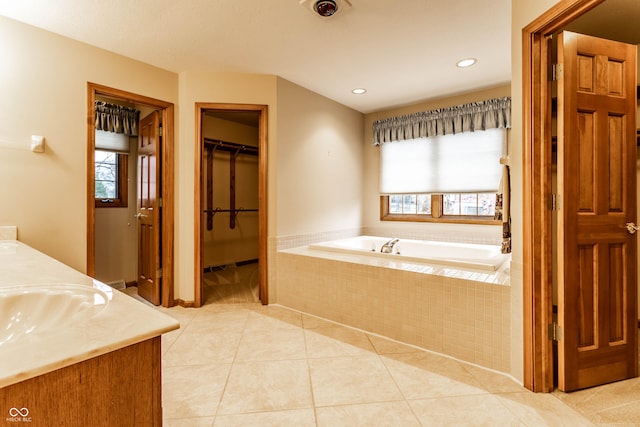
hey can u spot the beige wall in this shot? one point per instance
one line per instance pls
(319, 179)
(43, 82)
(44, 74)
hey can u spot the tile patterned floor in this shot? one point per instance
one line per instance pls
(253, 365)
(231, 284)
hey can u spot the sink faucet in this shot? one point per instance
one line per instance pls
(387, 248)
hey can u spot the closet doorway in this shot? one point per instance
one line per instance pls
(230, 211)
(152, 256)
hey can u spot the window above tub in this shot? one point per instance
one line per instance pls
(450, 207)
(443, 165)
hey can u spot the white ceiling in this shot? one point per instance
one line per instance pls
(401, 51)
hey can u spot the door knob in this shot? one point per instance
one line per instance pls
(141, 215)
(632, 228)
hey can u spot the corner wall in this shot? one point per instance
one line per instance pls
(320, 164)
(43, 82)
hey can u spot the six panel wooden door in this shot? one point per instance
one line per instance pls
(597, 187)
(149, 256)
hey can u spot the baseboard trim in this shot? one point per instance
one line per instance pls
(183, 303)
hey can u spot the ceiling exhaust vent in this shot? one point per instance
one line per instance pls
(326, 8)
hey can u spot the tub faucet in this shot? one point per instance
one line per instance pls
(387, 248)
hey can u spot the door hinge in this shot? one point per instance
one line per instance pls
(160, 202)
(159, 273)
(554, 202)
(555, 332)
(159, 131)
(556, 72)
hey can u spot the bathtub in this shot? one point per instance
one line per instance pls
(462, 255)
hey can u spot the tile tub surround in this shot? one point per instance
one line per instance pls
(122, 323)
(459, 313)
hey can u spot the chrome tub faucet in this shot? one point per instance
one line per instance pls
(387, 248)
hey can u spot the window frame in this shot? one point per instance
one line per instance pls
(435, 216)
(122, 187)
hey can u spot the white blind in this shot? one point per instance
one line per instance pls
(112, 141)
(464, 162)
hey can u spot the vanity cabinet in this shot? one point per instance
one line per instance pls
(117, 389)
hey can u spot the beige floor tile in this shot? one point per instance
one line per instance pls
(181, 314)
(231, 285)
(494, 382)
(276, 344)
(169, 339)
(272, 317)
(312, 322)
(424, 375)
(188, 422)
(267, 386)
(625, 415)
(192, 391)
(387, 346)
(292, 418)
(541, 409)
(336, 341)
(203, 348)
(350, 380)
(367, 415)
(480, 410)
(597, 399)
(214, 321)
(221, 367)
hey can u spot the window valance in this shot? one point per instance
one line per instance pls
(116, 118)
(482, 115)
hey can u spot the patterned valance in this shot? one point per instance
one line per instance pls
(489, 114)
(116, 118)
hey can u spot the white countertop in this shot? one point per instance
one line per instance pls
(123, 322)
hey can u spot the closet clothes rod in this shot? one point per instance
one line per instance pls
(230, 147)
(229, 210)
(232, 218)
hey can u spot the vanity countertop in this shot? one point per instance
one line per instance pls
(124, 321)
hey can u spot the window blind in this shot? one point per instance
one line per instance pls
(463, 162)
(110, 141)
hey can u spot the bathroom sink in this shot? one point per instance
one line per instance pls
(29, 310)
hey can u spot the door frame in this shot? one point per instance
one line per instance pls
(536, 166)
(168, 194)
(200, 108)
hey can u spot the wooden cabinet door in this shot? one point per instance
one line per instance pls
(597, 185)
(149, 237)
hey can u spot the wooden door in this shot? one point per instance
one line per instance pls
(597, 186)
(149, 215)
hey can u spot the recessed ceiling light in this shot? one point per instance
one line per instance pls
(466, 62)
(359, 91)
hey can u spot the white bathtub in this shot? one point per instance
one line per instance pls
(463, 255)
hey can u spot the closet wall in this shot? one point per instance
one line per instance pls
(226, 242)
